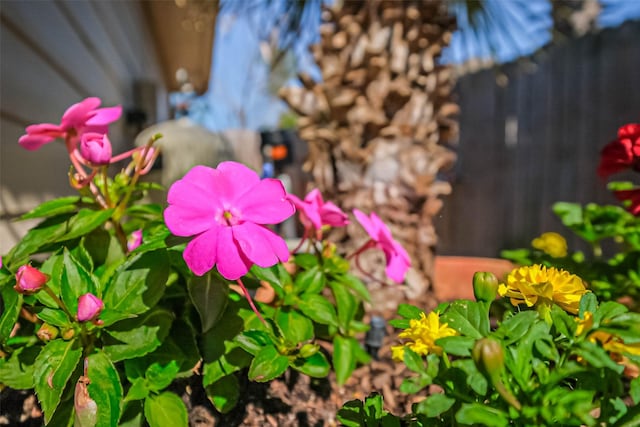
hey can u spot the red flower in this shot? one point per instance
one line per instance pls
(621, 153)
(631, 199)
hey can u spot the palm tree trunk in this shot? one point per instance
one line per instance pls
(379, 123)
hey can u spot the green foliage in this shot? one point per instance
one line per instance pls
(158, 322)
(525, 370)
(611, 273)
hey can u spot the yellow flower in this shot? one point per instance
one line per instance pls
(584, 324)
(608, 341)
(422, 334)
(397, 353)
(540, 286)
(552, 244)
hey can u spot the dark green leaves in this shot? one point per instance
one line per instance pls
(209, 294)
(53, 368)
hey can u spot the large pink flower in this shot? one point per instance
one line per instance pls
(85, 116)
(315, 212)
(226, 209)
(398, 261)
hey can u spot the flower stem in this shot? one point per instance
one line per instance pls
(58, 301)
(250, 301)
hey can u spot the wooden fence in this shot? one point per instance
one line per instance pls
(536, 140)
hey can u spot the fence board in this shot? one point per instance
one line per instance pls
(565, 110)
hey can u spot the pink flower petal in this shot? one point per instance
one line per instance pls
(104, 116)
(33, 142)
(236, 179)
(366, 223)
(397, 268)
(232, 264)
(45, 129)
(76, 115)
(193, 202)
(332, 215)
(261, 245)
(265, 203)
(201, 253)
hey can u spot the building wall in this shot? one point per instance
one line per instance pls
(54, 54)
(536, 140)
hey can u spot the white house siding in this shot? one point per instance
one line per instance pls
(53, 54)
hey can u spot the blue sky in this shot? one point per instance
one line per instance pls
(238, 89)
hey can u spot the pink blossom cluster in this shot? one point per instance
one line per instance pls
(83, 128)
(227, 210)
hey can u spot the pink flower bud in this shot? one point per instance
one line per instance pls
(89, 307)
(134, 240)
(95, 148)
(29, 280)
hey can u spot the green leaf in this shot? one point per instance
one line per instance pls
(319, 309)
(413, 385)
(634, 390)
(83, 256)
(53, 367)
(516, 326)
(569, 213)
(409, 311)
(356, 285)
(316, 366)
(563, 322)
(456, 345)
(352, 414)
(139, 336)
(84, 222)
(310, 281)
(75, 281)
(467, 317)
(344, 357)
(588, 302)
(137, 286)
(476, 413)
(224, 393)
(273, 276)
(53, 207)
(346, 303)
(105, 389)
(138, 390)
(253, 341)
(597, 356)
(295, 327)
(52, 266)
(267, 365)
(413, 360)
(12, 306)
(159, 377)
(16, 370)
(166, 409)
(209, 294)
(233, 361)
(306, 261)
(434, 405)
(54, 317)
(607, 311)
(36, 238)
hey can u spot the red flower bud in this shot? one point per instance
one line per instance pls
(95, 148)
(89, 307)
(29, 280)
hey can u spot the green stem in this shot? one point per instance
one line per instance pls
(134, 180)
(58, 301)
